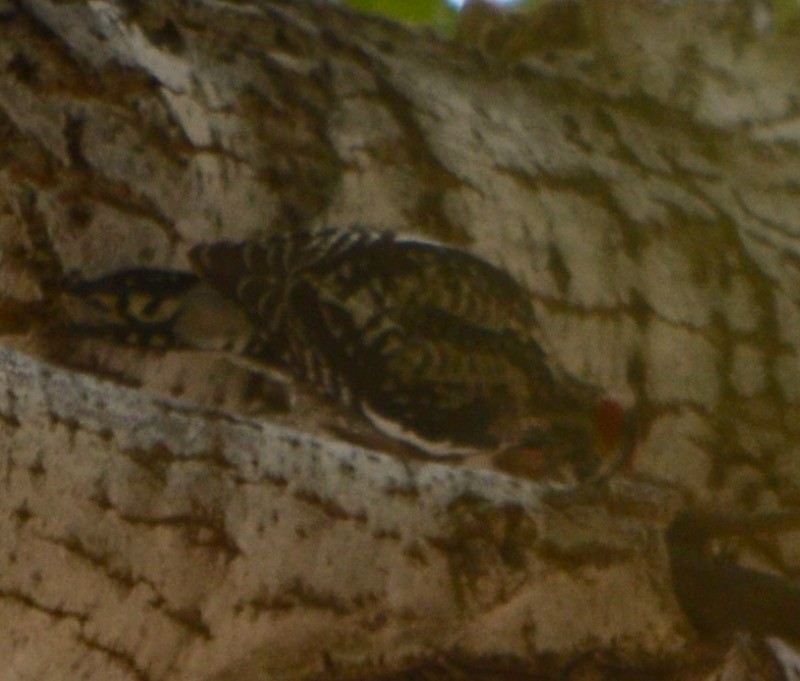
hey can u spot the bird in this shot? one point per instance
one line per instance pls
(434, 346)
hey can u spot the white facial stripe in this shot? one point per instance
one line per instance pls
(398, 432)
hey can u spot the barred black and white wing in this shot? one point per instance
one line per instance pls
(431, 343)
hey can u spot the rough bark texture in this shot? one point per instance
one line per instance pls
(641, 181)
(150, 540)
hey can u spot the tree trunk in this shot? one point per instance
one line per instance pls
(163, 519)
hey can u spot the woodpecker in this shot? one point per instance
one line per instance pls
(434, 346)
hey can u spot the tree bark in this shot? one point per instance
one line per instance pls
(640, 181)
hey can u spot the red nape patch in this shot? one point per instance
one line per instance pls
(609, 421)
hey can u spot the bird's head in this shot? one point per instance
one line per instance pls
(590, 443)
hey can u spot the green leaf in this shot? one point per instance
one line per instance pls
(785, 12)
(415, 11)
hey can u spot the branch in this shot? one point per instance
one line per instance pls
(174, 542)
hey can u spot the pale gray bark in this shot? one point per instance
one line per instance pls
(647, 197)
(143, 538)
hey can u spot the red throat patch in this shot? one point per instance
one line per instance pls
(609, 422)
(616, 432)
